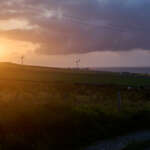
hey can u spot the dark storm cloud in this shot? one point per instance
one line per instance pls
(80, 26)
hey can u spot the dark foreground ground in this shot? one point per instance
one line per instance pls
(138, 146)
(43, 108)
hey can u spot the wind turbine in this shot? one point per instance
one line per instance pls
(77, 62)
(22, 60)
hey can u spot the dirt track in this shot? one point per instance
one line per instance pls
(120, 142)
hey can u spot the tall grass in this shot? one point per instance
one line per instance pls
(52, 116)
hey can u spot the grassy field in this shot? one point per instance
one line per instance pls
(50, 108)
(44, 74)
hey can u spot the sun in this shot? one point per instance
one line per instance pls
(3, 46)
(2, 50)
(11, 50)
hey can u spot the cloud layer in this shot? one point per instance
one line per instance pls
(78, 26)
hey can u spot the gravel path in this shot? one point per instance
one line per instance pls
(121, 142)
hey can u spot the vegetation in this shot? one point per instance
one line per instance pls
(42, 108)
(47, 75)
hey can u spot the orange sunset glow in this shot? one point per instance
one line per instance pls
(74, 74)
(55, 34)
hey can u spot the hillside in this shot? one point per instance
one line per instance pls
(45, 108)
(10, 71)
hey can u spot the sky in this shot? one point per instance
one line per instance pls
(102, 33)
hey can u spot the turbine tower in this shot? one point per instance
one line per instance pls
(22, 60)
(77, 62)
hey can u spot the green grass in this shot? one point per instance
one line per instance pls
(138, 146)
(48, 108)
(44, 74)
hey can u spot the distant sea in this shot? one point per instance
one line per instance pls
(125, 69)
